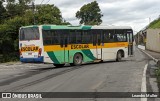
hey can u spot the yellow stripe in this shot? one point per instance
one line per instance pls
(114, 45)
(85, 46)
(53, 48)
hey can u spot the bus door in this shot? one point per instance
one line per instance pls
(64, 46)
(97, 43)
(130, 43)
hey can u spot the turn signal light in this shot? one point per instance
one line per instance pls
(39, 52)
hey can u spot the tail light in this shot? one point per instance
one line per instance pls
(39, 52)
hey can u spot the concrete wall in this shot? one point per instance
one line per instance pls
(153, 40)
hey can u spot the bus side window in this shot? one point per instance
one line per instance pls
(22, 35)
(66, 37)
(72, 37)
(111, 36)
(108, 36)
(50, 41)
(78, 36)
(120, 36)
(94, 37)
(86, 37)
(99, 37)
(47, 39)
(105, 36)
(56, 37)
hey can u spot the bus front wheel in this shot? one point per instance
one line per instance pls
(119, 56)
(77, 59)
(58, 65)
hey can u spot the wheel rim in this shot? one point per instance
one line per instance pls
(78, 59)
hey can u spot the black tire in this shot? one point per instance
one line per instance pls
(72, 64)
(58, 65)
(101, 61)
(77, 59)
(119, 56)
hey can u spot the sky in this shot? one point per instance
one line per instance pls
(134, 13)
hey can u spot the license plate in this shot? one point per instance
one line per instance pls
(29, 53)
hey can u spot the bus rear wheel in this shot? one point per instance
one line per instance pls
(58, 65)
(77, 59)
(119, 56)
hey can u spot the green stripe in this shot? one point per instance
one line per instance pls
(34, 26)
(85, 52)
(53, 57)
(49, 27)
(89, 54)
(46, 27)
(86, 27)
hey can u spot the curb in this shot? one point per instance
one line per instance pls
(153, 84)
(154, 59)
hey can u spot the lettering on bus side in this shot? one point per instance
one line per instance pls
(79, 46)
(23, 49)
(121, 44)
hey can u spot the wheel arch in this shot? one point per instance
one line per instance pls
(75, 63)
(73, 53)
(122, 52)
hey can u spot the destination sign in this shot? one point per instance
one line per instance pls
(33, 48)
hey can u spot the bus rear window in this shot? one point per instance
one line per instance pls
(29, 34)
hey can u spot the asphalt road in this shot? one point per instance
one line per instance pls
(125, 76)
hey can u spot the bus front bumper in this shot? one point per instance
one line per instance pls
(39, 59)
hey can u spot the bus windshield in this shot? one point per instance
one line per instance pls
(30, 33)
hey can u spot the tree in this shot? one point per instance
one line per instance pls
(48, 14)
(65, 22)
(90, 14)
(18, 13)
(19, 8)
(2, 11)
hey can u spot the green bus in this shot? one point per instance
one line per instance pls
(62, 44)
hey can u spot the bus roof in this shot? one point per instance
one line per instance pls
(29, 26)
(111, 27)
(48, 27)
(83, 27)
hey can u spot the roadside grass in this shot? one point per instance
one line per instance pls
(158, 77)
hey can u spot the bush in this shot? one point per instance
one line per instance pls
(158, 77)
(9, 57)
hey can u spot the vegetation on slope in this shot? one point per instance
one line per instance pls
(155, 24)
